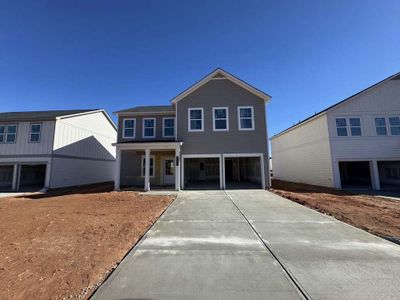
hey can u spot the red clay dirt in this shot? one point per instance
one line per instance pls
(64, 244)
(377, 215)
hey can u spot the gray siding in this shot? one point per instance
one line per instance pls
(222, 93)
(139, 127)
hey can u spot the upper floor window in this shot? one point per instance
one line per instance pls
(151, 165)
(11, 133)
(149, 127)
(34, 133)
(246, 117)
(2, 133)
(128, 129)
(394, 123)
(355, 126)
(168, 127)
(380, 125)
(345, 126)
(196, 119)
(220, 119)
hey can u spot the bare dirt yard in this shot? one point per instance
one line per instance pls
(377, 215)
(63, 244)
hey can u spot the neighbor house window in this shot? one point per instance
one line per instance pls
(128, 129)
(11, 133)
(220, 119)
(151, 166)
(2, 133)
(355, 126)
(149, 127)
(394, 123)
(34, 133)
(341, 127)
(246, 117)
(168, 127)
(196, 121)
(380, 125)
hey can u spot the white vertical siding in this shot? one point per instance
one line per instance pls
(22, 145)
(303, 154)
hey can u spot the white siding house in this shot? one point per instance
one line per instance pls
(53, 149)
(353, 143)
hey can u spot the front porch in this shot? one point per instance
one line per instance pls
(148, 164)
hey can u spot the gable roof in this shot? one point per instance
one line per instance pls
(221, 74)
(149, 109)
(48, 115)
(322, 112)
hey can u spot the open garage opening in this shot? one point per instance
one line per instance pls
(389, 175)
(355, 174)
(202, 173)
(243, 173)
(32, 177)
(6, 177)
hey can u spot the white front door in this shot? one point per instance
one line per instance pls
(169, 170)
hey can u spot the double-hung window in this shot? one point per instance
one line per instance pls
(34, 133)
(220, 119)
(348, 126)
(149, 127)
(168, 127)
(355, 126)
(11, 133)
(341, 126)
(380, 125)
(2, 133)
(195, 119)
(394, 123)
(246, 117)
(128, 130)
(151, 166)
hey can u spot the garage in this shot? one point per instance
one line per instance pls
(6, 177)
(32, 177)
(201, 173)
(389, 174)
(355, 174)
(243, 172)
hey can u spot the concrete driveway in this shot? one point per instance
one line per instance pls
(253, 245)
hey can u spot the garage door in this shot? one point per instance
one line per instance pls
(201, 173)
(243, 172)
(389, 174)
(32, 177)
(6, 175)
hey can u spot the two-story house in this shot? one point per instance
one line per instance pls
(354, 143)
(212, 135)
(52, 149)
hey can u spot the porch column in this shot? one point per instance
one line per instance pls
(376, 185)
(262, 162)
(15, 177)
(117, 176)
(147, 170)
(177, 169)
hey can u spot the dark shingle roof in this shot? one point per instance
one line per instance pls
(39, 115)
(150, 108)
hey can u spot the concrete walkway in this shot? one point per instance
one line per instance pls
(253, 245)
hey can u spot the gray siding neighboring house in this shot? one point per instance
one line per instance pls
(216, 147)
(53, 149)
(355, 143)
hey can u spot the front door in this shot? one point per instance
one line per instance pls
(169, 170)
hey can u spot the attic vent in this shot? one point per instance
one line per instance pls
(219, 76)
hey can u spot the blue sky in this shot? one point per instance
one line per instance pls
(119, 54)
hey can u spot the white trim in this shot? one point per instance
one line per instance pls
(226, 119)
(154, 128)
(152, 146)
(348, 126)
(202, 119)
(16, 133)
(123, 128)
(88, 113)
(30, 133)
(228, 76)
(142, 166)
(252, 118)
(163, 127)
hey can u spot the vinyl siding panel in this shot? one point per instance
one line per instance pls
(303, 154)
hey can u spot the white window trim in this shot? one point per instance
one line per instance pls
(252, 118)
(386, 125)
(142, 166)
(143, 129)
(30, 133)
(123, 128)
(226, 119)
(348, 126)
(4, 134)
(163, 127)
(16, 133)
(389, 131)
(202, 119)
